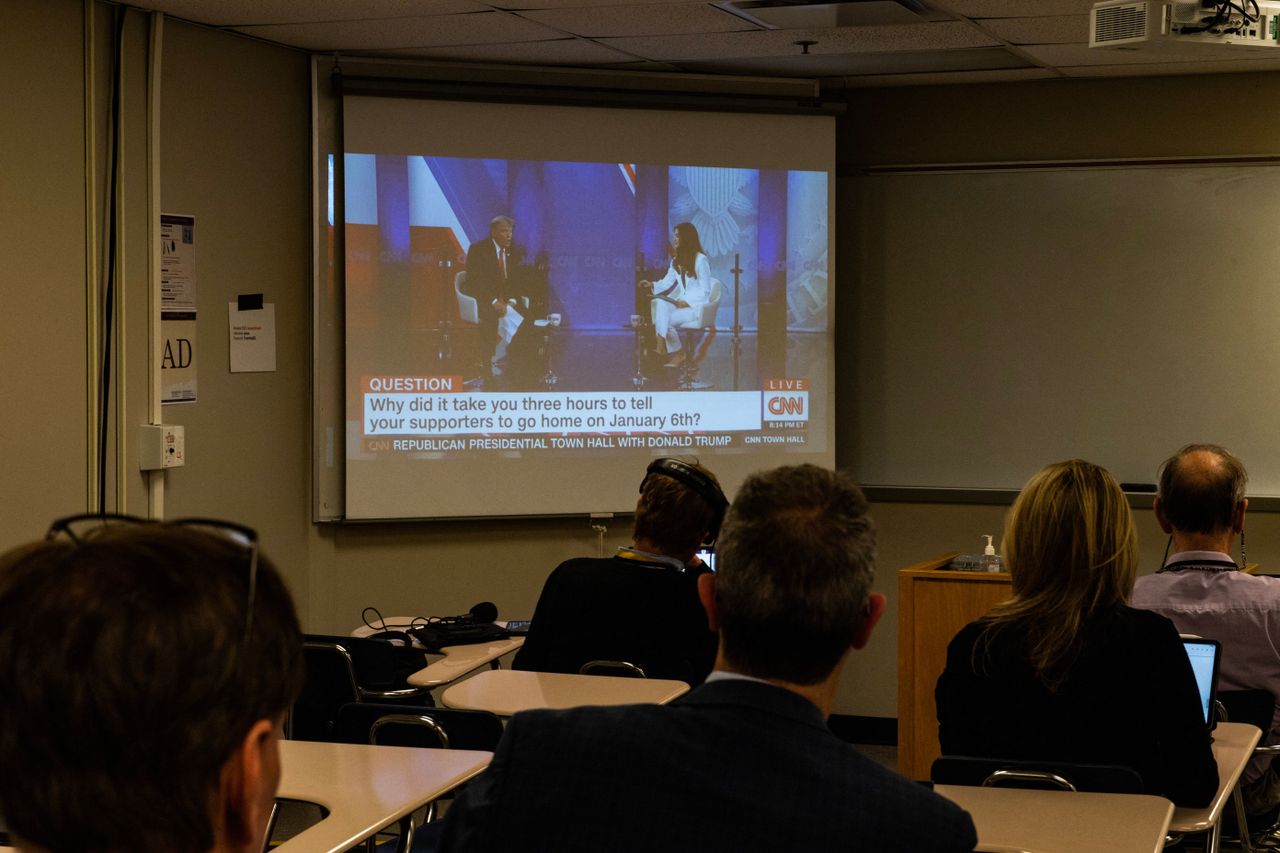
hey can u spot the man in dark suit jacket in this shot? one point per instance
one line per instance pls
(491, 281)
(746, 761)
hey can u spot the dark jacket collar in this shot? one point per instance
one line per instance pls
(758, 695)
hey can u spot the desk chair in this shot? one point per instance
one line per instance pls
(333, 680)
(620, 668)
(1254, 707)
(700, 331)
(1061, 775)
(426, 728)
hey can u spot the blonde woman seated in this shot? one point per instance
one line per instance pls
(1065, 669)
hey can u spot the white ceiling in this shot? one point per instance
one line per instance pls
(953, 41)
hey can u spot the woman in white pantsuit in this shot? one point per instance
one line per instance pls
(678, 296)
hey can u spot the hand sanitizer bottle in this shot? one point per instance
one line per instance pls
(990, 562)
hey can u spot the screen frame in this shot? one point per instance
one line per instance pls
(557, 86)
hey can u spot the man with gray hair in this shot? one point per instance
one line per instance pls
(1200, 504)
(744, 762)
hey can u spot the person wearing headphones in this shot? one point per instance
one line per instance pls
(640, 605)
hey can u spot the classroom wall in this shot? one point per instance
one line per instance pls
(235, 154)
(43, 429)
(1039, 121)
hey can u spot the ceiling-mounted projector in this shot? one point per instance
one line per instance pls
(1184, 25)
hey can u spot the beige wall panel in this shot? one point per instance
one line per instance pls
(235, 129)
(43, 434)
(442, 568)
(1064, 120)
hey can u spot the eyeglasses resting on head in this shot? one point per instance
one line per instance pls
(83, 527)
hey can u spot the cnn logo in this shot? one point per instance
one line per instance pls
(786, 405)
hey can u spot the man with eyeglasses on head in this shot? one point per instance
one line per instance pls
(144, 680)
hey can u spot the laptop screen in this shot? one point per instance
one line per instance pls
(1203, 655)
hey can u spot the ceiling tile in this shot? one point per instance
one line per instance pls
(648, 20)
(864, 13)
(515, 5)
(235, 13)
(1051, 29)
(1070, 55)
(666, 67)
(1014, 8)
(846, 64)
(398, 33)
(996, 37)
(557, 52)
(692, 48)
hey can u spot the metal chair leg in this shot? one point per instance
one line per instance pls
(406, 834)
(1242, 823)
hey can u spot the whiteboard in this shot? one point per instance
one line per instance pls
(1009, 319)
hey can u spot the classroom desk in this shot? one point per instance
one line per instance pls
(1233, 745)
(507, 691)
(1009, 820)
(365, 788)
(457, 660)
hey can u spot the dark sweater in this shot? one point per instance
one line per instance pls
(1129, 698)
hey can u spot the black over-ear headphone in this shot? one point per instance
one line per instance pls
(701, 484)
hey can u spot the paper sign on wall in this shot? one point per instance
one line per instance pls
(177, 308)
(178, 361)
(253, 338)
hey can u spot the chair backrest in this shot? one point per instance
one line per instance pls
(387, 727)
(378, 664)
(330, 683)
(1004, 772)
(1254, 707)
(467, 310)
(707, 318)
(361, 722)
(622, 668)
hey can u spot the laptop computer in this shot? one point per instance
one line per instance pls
(1204, 656)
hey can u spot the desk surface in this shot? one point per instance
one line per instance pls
(507, 691)
(1013, 819)
(457, 661)
(1233, 745)
(365, 788)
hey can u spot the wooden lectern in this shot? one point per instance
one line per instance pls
(933, 605)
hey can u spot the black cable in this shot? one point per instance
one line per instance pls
(384, 625)
(104, 386)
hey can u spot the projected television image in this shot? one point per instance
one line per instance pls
(497, 306)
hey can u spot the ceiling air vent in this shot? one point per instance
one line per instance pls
(1113, 24)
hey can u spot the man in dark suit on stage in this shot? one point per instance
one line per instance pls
(491, 281)
(745, 761)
